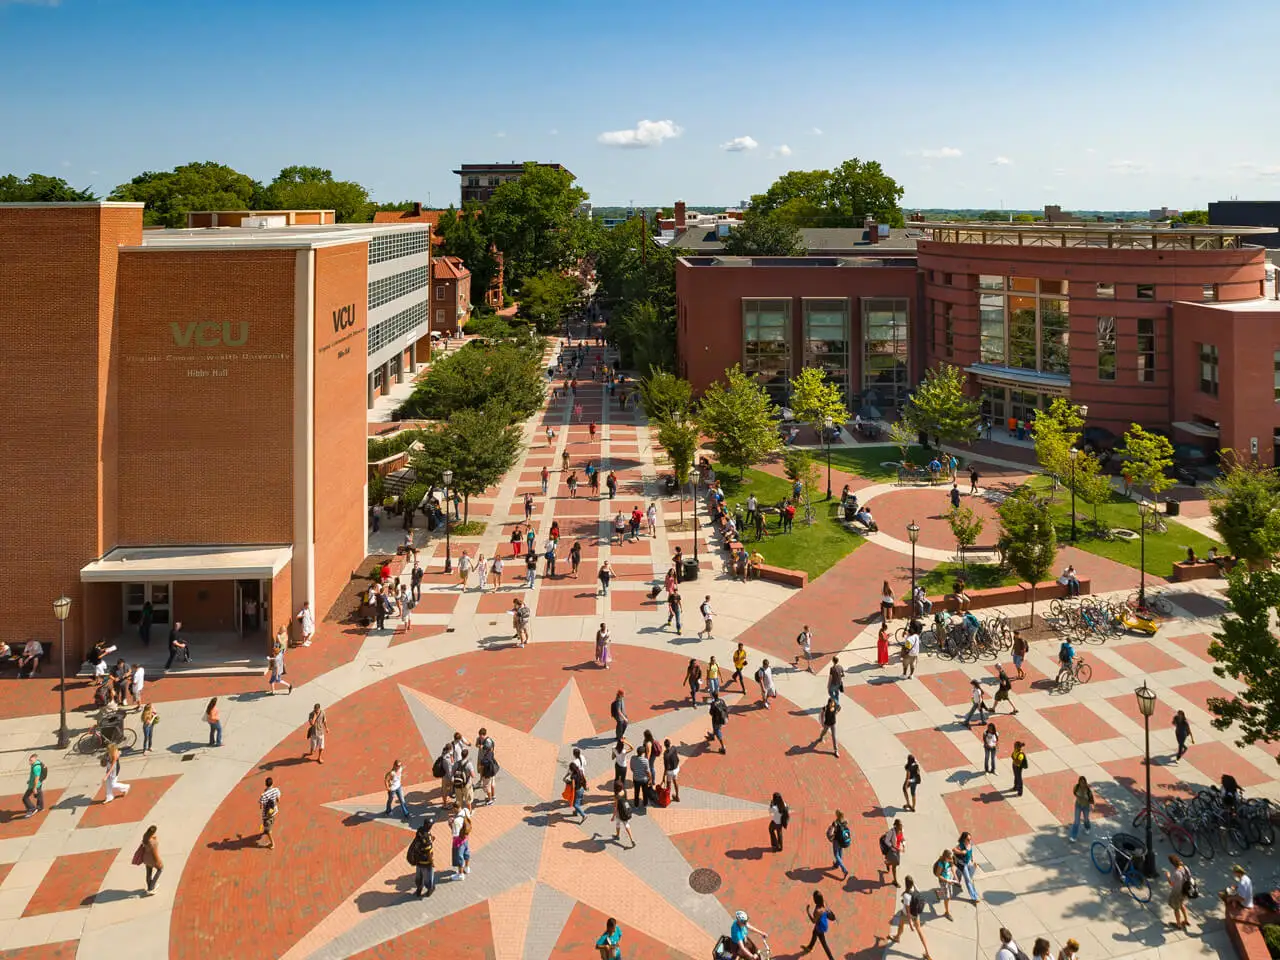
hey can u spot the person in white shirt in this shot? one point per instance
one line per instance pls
(1241, 893)
(910, 652)
(1008, 948)
(765, 678)
(306, 623)
(651, 517)
(707, 614)
(136, 684)
(805, 641)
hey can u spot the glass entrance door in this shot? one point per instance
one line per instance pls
(1023, 405)
(137, 594)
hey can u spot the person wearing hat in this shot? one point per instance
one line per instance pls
(1240, 894)
(738, 934)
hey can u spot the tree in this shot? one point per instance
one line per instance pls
(1245, 503)
(941, 409)
(902, 436)
(1090, 483)
(764, 235)
(1247, 651)
(478, 445)
(841, 197)
(796, 463)
(1199, 218)
(1028, 540)
(645, 335)
(169, 195)
(814, 398)
(547, 297)
(534, 220)
(463, 235)
(508, 372)
(966, 526)
(666, 396)
(313, 188)
(679, 437)
(739, 417)
(1056, 432)
(1147, 459)
(38, 188)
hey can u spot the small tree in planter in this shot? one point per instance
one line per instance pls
(966, 527)
(679, 438)
(902, 436)
(1029, 542)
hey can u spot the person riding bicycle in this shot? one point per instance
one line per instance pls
(743, 946)
(1066, 659)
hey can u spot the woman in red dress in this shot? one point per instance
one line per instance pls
(882, 646)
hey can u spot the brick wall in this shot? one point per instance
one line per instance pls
(204, 605)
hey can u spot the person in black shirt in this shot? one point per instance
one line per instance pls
(177, 646)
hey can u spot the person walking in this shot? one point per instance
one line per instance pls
(549, 572)
(602, 646)
(693, 679)
(275, 672)
(829, 725)
(487, 765)
(530, 569)
(674, 606)
(517, 540)
(1040, 950)
(707, 614)
(33, 799)
(605, 576)
(671, 770)
(607, 942)
(977, 703)
(482, 573)
(886, 602)
(496, 567)
(422, 856)
(317, 727)
(177, 646)
(764, 677)
(306, 623)
(719, 713)
(1181, 886)
(964, 861)
(1182, 733)
(973, 481)
(214, 719)
(576, 777)
(1009, 949)
(521, 616)
(990, 741)
(618, 710)
(912, 905)
(910, 782)
(1019, 759)
(821, 918)
(111, 777)
(841, 838)
(622, 751)
(393, 781)
(575, 558)
(779, 820)
(137, 680)
(642, 774)
(651, 519)
(464, 569)
(892, 844)
(147, 856)
(713, 678)
(415, 580)
(1003, 691)
(545, 477)
(460, 827)
(1083, 795)
(739, 665)
(528, 507)
(944, 870)
(149, 720)
(882, 648)
(804, 640)
(1020, 650)
(911, 650)
(622, 812)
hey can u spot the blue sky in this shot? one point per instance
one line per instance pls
(1128, 104)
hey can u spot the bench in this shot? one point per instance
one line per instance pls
(999, 597)
(1244, 927)
(1201, 569)
(914, 475)
(791, 578)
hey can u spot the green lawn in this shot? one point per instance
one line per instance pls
(865, 461)
(1162, 548)
(977, 576)
(813, 549)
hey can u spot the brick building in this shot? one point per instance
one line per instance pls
(202, 436)
(450, 294)
(478, 181)
(1171, 327)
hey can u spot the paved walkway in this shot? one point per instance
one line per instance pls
(542, 885)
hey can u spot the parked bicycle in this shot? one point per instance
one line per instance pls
(106, 731)
(1120, 856)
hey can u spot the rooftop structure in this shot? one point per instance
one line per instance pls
(1133, 236)
(480, 180)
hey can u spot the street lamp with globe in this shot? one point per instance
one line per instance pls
(447, 477)
(1147, 705)
(61, 610)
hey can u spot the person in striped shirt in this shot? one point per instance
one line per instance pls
(269, 803)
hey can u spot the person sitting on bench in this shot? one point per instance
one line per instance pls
(1191, 555)
(30, 659)
(864, 517)
(7, 655)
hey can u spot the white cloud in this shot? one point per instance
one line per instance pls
(646, 133)
(817, 131)
(554, 131)
(93, 173)
(1000, 162)
(941, 153)
(500, 134)
(782, 150)
(739, 144)
(1059, 171)
(1127, 166)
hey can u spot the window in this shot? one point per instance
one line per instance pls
(440, 317)
(948, 330)
(386, 289)
(1146, 351)
(826, 339)
(884, 351)
(1209, 369)
(1209, 292)
(1146, 291)
(946, 279)
(1105, 291)
(1055, 334)
(1275, 359)
(439, 291)
(381, 334)
(397, 243)
(991, 328)
(494, 181)
(473, 181)
(1106, 348)
(986, 282)
(1028, 327)
(766, 344)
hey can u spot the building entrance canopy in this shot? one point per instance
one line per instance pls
(131, 564)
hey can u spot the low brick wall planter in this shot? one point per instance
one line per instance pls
(1000, 596)
(1244, 927)
(1183, 571)
(792, 578)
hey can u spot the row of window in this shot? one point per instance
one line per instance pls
(1107, 368)
(396, 325)
(1101, 291)
(386, 289)
(493, 181)
(398, 243)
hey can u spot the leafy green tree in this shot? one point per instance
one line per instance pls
(1247, 651)
(169, 195)
(1245, 503)
(1025, 218)
(464, 236)
(966, 526)
(796, 463)
(1198, 218)
(902, 435)
(739, 417)
(38, 188)
(1091, 484)
(1028, 540)
(534, 221)
(666, 396)
(478, 445)
(679, 436)
(841, 197)
(313, 188)
(1056, 432)
(546, 298)
(508, 373)
(645, 335)
(941, 409)
(814, 398)
(630, 267)
(764, 235)
(1148, 458)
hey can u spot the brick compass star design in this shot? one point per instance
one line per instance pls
(530, 862)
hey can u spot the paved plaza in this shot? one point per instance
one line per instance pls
(542, 884)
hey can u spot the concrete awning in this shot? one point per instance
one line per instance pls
(1196, 429)
(129, 564)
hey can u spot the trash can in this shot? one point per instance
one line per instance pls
(1172, 507)
(690, 569)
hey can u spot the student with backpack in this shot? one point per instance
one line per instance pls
(1182, 887)
(829, 725)
(822, 918)
(841, 838)
(779, 820)
(670, 773)
(944, 869)
(464, 773)
(1019, 760)
(622, 812)
(912, 904)
(891, 846)
(488, 764)
(33, 799)
(442, 767)
(910, 782)
(421, 856)
(719, 712)
(575, 780)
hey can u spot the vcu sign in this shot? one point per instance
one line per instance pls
(344, 318)
(210, 334)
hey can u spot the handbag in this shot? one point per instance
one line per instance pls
(137, 856)
(567, 793)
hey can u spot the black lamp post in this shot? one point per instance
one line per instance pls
(694, 473)
(447, 477)
(1147, 704)
(61, 610)
(1074, 453)
(913, 534)
(1144, 508)
(828, 423)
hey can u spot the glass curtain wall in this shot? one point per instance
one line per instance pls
(1026, 324)
(826, 340)
(884, 351)
(766, 348)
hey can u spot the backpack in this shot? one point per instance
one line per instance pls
(437, 768)
(466, 827)
(759, 674)
(1020, 954)
(720, 712)
(916, 904)
(414, 854)
(488, 764)
(613, 710)
(624, 809)
(1190, 888)
(459, 775)
(44, 772)
(843, 836)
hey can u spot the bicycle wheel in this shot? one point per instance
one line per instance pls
(1139, 818)
(1137, 884)
(88, 744)
(1260, 832)
(1183, 843)
(1204, 842)
(1234, 841)
(1100, 854)
(129, 739)
(1084, 673)
(1058, 609)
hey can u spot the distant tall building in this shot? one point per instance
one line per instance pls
(479, 180)
(1248, 213)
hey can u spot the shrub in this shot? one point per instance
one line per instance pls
(377, 489)
(1271, 934)
(491, 325)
